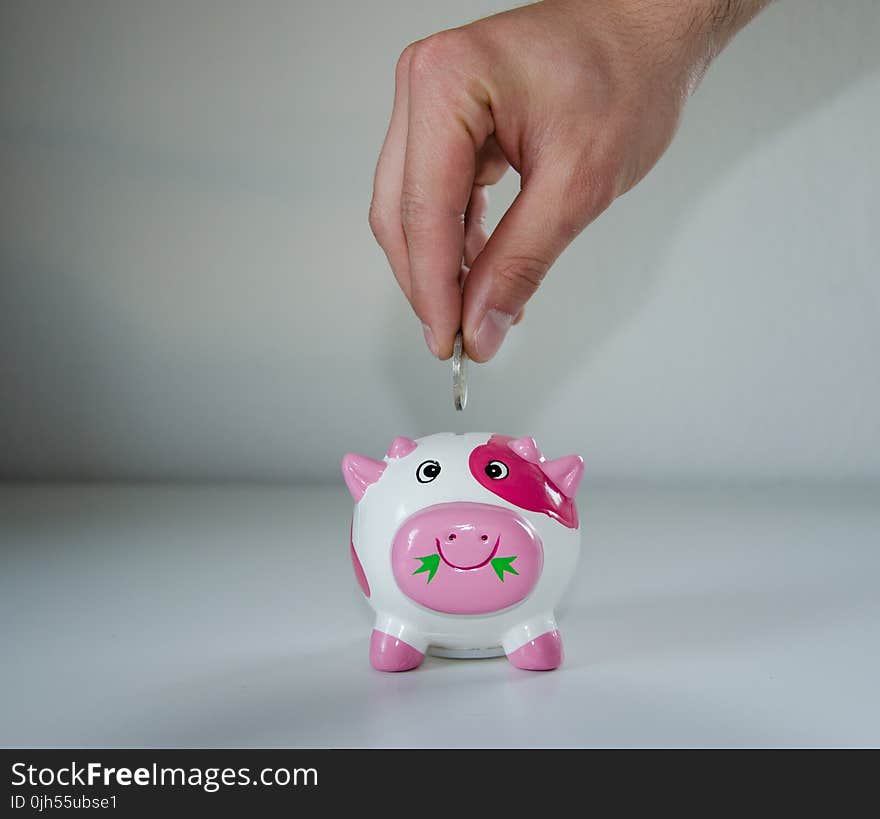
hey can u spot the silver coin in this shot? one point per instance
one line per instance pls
(459, 374)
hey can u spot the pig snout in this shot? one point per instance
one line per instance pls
(464, 535)
(466, 558)
(464, 548)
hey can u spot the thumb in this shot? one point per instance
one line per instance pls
(555, 204)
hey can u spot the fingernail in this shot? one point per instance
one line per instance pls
(430, 340)
(491, 332)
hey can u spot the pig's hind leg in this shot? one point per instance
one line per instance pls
(534, 645)
(395, 645)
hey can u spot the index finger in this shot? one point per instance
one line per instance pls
(445, 130)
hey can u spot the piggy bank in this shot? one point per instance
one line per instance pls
(464, 544)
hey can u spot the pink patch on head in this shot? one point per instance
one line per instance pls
(522, 482)
(401, 447)
(466, 558)
(360, 472)
(359, 573)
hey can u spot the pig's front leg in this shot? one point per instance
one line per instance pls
(534, 645)
(396, 645)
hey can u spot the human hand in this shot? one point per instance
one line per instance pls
(580, 97)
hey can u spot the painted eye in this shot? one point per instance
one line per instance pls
(427, 471)
(497, 470)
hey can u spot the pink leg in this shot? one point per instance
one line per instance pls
(388, 653)
(544, 653)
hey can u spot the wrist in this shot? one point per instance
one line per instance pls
(722, 19)
(689, 34)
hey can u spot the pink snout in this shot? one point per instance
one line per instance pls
(466, 558)
(465, 547)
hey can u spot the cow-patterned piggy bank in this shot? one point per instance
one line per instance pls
(464, 544)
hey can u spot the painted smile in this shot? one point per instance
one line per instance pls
(475, 565)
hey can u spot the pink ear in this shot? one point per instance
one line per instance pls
(359, 472)
(566, 473)
(400, 447)
(527, 449)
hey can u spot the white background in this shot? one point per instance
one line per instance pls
(189, 289)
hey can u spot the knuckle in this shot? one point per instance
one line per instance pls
(521, 276)
(380, 222)
(403, 63)
(437, 53)
(424, 60)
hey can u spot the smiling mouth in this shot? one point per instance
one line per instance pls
(475, 565)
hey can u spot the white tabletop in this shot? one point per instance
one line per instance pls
(154, 616)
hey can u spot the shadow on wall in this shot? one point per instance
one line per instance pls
(46, 363)
(83, 397)
(83, 394)
(790, 62)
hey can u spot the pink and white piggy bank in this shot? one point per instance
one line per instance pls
(464, 543)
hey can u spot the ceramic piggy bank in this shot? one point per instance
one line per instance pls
(464, 544)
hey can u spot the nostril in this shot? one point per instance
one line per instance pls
(451, 536)
(484, 538)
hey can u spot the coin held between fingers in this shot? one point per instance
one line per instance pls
(459, 374)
